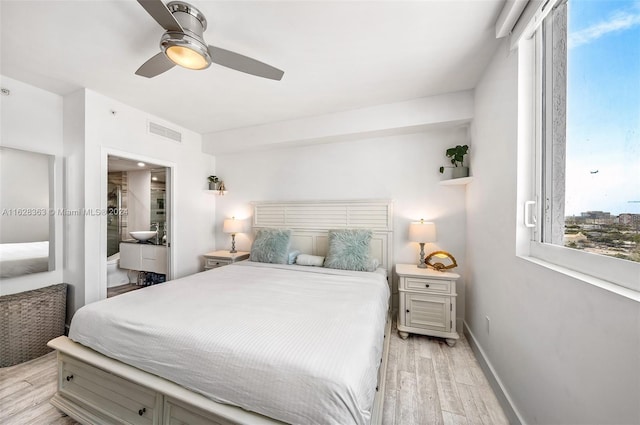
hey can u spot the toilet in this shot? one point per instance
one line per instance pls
(115, 275)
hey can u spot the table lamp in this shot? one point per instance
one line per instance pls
(422, 232)
(233, 226)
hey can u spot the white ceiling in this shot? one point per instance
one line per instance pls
(336, 55)
(116, 163)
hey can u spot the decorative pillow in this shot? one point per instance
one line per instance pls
(349, 249)
(271, 246)
(292, 257)
(309, 260)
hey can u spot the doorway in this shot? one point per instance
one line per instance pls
(138, 223)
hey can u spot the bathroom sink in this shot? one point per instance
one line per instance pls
(143, 235)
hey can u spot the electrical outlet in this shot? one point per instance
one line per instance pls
(488, 324)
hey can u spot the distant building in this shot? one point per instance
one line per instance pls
(597, 217)
(629, 219)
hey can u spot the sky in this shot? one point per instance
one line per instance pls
(603, 108)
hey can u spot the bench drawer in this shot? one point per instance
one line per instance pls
(176, 413)
(120, 400)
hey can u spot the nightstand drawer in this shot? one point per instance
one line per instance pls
(215, 259)
(212, 263)
(430, 285)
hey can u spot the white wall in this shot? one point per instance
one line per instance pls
(566, 352)
(113, 127)
(79, 130)
(403, 168)
(31, 119)
(74, 130)
(411, 116)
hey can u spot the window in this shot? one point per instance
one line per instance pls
(588, 55)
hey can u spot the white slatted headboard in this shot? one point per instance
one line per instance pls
(310, 222)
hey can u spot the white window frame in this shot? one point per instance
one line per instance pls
(613, 274)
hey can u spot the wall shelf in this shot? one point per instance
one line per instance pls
(456, 182)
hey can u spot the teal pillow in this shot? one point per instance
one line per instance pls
(271, 246)
(349, 249)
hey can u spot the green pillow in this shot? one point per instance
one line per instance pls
(271, 246)
(349, 249)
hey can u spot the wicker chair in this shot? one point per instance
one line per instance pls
(28, 320)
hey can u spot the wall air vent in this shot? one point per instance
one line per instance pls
(162, 131)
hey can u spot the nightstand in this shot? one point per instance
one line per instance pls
(427, 302)
(221, 258)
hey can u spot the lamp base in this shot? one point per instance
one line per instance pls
(233, 244)
(422, 264)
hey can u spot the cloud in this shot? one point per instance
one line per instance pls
(618, 22)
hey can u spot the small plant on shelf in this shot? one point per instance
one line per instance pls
(213, 182)
(456, 155)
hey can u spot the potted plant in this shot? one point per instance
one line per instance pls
(213, 182)
(456, 155)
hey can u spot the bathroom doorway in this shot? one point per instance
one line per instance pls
(138, 224)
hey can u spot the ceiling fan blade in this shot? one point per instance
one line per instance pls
(158, 11)
(244, 64)
(155, 66)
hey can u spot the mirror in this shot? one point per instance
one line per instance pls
(26, 212)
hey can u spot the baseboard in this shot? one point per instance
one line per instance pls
(77, 412)
(504, 399)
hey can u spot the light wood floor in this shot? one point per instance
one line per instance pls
(117, 290)
(428, 382)
(25, 390)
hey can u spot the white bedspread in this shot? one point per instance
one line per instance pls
(297, 344)
(17, 259)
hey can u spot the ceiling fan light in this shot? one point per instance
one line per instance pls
(186, 57)
(185, 50)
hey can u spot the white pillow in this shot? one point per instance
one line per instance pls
(292, 256)
(309, 260)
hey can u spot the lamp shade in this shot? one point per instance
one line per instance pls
(422, 232)
(233, 226)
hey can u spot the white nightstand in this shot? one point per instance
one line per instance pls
(427, 302)
(222, 258)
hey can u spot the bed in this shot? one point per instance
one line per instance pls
(246, 343)
(17, 259)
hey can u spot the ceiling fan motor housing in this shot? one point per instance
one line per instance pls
(194, 24)
(188, 16)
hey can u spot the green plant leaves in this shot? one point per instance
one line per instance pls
(457, 154)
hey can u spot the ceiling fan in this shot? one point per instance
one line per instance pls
(182, 44)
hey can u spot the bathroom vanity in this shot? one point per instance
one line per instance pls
(143, 256)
